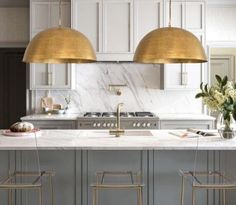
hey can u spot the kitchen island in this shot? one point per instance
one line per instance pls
(101, 140)
(76, 155)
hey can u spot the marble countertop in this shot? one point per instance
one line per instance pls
(101, 140)
(161, 116)
(50, 117)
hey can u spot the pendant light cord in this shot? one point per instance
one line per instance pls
(60, 8)
(170, 4)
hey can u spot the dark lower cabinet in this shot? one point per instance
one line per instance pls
(12, 86)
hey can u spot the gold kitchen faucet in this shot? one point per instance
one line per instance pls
(118, 131)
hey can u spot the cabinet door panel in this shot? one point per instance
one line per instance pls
(40, 16)
(60, 76)
(195, 16)
(147, 17)
(118, 26)
(65, 15)
(182, 124)
(176, 13)
(40, 76)
(194, 71)
(89, 11)
(194, 75)
(173, 76)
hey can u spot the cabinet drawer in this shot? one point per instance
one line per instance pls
(49, 124)
(182, 124)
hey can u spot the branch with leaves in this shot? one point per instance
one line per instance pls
(220, 97)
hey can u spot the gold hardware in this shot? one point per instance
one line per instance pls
(170, 45)
(220, 182)
(135, 184)
(11, 183)
(184, 78)
(59, 45)
(118, 131)
(117, 88)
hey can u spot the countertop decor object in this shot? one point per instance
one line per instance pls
(32, 133)
(47, 102)
(59, 45)
(170, 45)
(221, 98)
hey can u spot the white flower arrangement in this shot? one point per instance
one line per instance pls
(220, 97)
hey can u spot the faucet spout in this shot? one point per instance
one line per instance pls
(118, 131)
(118, 114)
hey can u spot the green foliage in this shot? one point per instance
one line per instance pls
(220, 97)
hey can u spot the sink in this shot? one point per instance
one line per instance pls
(105, 133)
(138, 133)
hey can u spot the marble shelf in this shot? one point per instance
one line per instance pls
(50, 117)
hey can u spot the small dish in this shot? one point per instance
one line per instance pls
(58, 111)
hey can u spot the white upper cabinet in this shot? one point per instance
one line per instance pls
(115, 27)
(186, 14)
(118, 26)
(45, 14)
(51, 76)
(148, 15)
(177, 19)
(87, 18)
(195, 16)
(189, 15)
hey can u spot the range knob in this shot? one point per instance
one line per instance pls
(98, 124)
(138, 124)
(144, 124)
(94, 124)
(112, 124)
(115, 124)
(148, 124)
(134, 124)
(108, 124)
(104, 124)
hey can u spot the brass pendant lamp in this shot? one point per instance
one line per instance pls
(59, 45)
(170, 45)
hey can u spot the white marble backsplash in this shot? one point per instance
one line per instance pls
(141, 94)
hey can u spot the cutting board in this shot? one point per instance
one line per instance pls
(47, 102)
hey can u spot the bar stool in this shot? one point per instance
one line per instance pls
(206, 180)
(27, 180)
(133, 184)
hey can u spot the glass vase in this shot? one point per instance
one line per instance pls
(226, 128)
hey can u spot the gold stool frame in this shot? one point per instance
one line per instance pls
(134, 185)
(226, 184)
(9, 183)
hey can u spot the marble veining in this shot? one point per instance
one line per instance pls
(101, 140)
(141, 94)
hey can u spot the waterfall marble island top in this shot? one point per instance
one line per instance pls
(101, 140)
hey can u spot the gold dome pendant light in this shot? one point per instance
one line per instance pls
(59, 45)
(170, 45)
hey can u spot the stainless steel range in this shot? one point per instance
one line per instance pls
(129, 120)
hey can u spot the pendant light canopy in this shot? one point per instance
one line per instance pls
(170, 45)
(59, 45)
